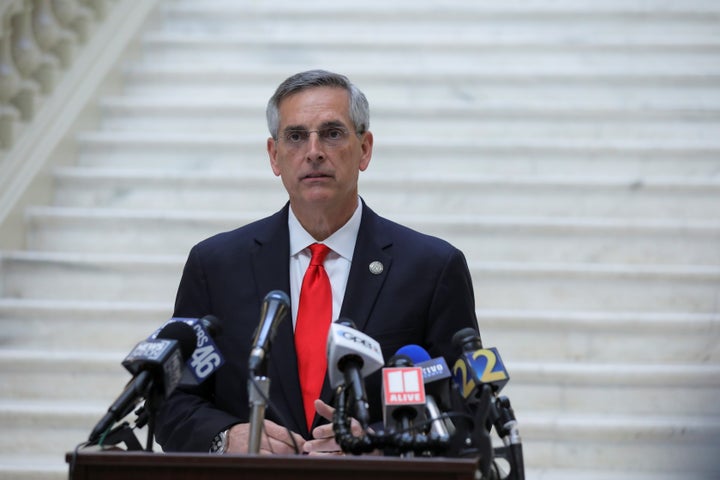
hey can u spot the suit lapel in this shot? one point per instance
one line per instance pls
(364, 284)
(271, 270)
(370, 266)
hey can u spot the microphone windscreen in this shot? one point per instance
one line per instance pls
(416, 353)
(400, 361)
(346, 322)
(278, 296)
(466, 336)
(184, 334)
(212, 325)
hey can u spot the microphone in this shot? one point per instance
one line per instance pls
(435, 373)
(403, 400)
(275, 308)
(477, 366)
(352, 356)
(480, 374)
(206, 358)
(156, 365)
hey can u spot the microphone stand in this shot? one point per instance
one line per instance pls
(507, 427)
(258, 393)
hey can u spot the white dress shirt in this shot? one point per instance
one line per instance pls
(337, 263)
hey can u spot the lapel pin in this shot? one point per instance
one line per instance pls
(376, 268)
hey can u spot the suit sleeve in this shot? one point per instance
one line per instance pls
(188, 420)
(452, 307)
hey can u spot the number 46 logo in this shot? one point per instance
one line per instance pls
(204, 361)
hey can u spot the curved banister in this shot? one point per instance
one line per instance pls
(54, 55)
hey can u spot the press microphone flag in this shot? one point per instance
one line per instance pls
(433, 369)
(403, 394)
(344, 341)
(477, 366)
(352, 356)
(480, 374)
(206, 357)
(156, 365)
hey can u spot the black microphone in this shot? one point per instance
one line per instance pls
(275, 308)
(480, 374)
(156, 365)
(352, 356)
(477, 366)
(206, 358)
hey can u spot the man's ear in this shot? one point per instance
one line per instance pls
(366, 146)
(272, 153)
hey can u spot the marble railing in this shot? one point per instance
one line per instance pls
(38, 40)
(55, 57)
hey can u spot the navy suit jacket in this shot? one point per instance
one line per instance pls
(423, 296)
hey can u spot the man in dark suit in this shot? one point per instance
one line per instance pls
(398, 286)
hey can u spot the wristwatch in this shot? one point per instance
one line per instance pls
(220, 443)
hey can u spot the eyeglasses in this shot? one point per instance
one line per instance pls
(330, 136)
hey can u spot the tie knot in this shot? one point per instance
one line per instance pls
(319, 252)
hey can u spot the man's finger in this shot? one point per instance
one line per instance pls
(324, 410)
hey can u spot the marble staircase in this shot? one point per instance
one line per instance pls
(570, 148)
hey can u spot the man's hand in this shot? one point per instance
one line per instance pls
(275, 439)
(323, 442)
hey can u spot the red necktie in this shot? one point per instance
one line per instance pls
(313, 321)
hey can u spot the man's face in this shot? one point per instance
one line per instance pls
(317, 153)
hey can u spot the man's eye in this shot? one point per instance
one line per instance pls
(334, 134)
(294, 136)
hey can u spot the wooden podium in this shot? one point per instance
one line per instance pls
(121, 465)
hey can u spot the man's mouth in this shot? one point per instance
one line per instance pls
(316, 175)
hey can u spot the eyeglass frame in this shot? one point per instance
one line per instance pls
(321, 133)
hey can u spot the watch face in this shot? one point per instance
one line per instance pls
(219, 444)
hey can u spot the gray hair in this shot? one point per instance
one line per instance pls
(359, 107)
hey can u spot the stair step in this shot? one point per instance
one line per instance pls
(547, 336)
(47, 324)
(28, 466)
(225, 153)
(99, 277)
(614, 389)
(429, 8)
(481, 238)
(516, 38)
(544, 286)
(524, 71)
(550, 440)
(49, 426)
(34, 375)
(575, 109)
(609, 474)
(397, 194)
(463, 59)
(695, 102)
(700, 9)
(534, 387)
(579, 21)
(540, 336)
(481, 122)
(638, 443)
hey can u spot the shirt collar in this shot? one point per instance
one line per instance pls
(342, 242)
